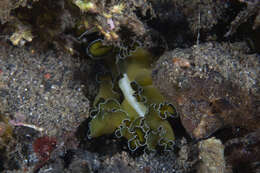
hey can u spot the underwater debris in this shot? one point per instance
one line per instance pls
(135, 110)
(253, 8)
(43, 147)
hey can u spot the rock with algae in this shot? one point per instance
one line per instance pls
(132, 107)
(211, 154)
(6, 132)
(22, 34)
(212, 85)
(6, 6)
(113, 17)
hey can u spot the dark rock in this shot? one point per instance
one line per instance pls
(243, 154)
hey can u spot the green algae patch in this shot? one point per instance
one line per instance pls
(106, 89)
(97, 49)
(135, 110)
(106, 118)
(161, 132)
